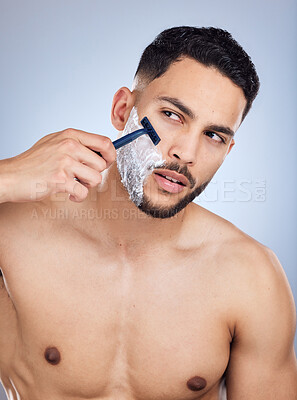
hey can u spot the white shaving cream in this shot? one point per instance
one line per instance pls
(137, 160)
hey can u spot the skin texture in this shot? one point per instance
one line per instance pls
(141, 308)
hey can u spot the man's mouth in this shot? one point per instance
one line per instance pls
(171, 181)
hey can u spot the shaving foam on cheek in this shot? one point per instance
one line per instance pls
(137, 160)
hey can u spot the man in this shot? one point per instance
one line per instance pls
(103, 299)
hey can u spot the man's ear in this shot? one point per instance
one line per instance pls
(232, 143)
(122, 104)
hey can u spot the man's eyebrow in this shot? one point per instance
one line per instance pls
(186, 110)
(177, 103)
(222, 129)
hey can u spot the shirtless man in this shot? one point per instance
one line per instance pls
(101, 299)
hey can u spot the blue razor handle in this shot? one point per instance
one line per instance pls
(147, 129)
(128, 138)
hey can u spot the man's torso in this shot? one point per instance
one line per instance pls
(130, 326)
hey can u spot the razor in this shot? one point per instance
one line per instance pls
(147, 129)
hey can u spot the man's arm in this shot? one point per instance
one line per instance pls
(262, 363)
(51, 165)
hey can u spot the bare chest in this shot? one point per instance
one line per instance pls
(96, 327)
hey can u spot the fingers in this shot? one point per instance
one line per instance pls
(77, 191)
(77, 160)
(86, 175)
(95, 142)
(89, 158)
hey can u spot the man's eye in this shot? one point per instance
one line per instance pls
(171, 115)
(215, 137)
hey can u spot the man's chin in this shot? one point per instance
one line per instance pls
(169, 211)
(155, 211)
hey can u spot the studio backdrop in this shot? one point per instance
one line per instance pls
(63, 60)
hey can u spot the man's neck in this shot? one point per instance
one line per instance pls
(108, 215)
(122, 221)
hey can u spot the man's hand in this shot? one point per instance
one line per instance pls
(53, 163)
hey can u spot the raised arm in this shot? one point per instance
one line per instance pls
(51, 165)
(263, 364)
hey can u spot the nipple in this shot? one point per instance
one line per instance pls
(52, 355)
(196, 383)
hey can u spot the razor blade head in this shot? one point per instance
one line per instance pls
(150, 130)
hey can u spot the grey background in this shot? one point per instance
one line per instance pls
(62, 61)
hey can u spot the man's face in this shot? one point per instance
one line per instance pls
(194, 109)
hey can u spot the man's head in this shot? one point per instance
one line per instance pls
(211, 47)
(195, 85)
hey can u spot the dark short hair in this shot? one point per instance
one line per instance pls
(210, 46)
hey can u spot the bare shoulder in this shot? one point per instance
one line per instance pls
(12, 217)
(256, 280)
(235, 247)
(7, 225)
(18, 214)
(19, 222)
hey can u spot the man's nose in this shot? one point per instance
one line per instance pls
(185, 148)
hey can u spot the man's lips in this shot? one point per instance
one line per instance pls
(173, 175)
(170, 181)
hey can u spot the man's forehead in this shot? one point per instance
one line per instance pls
(211, 90)
(187, 68)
